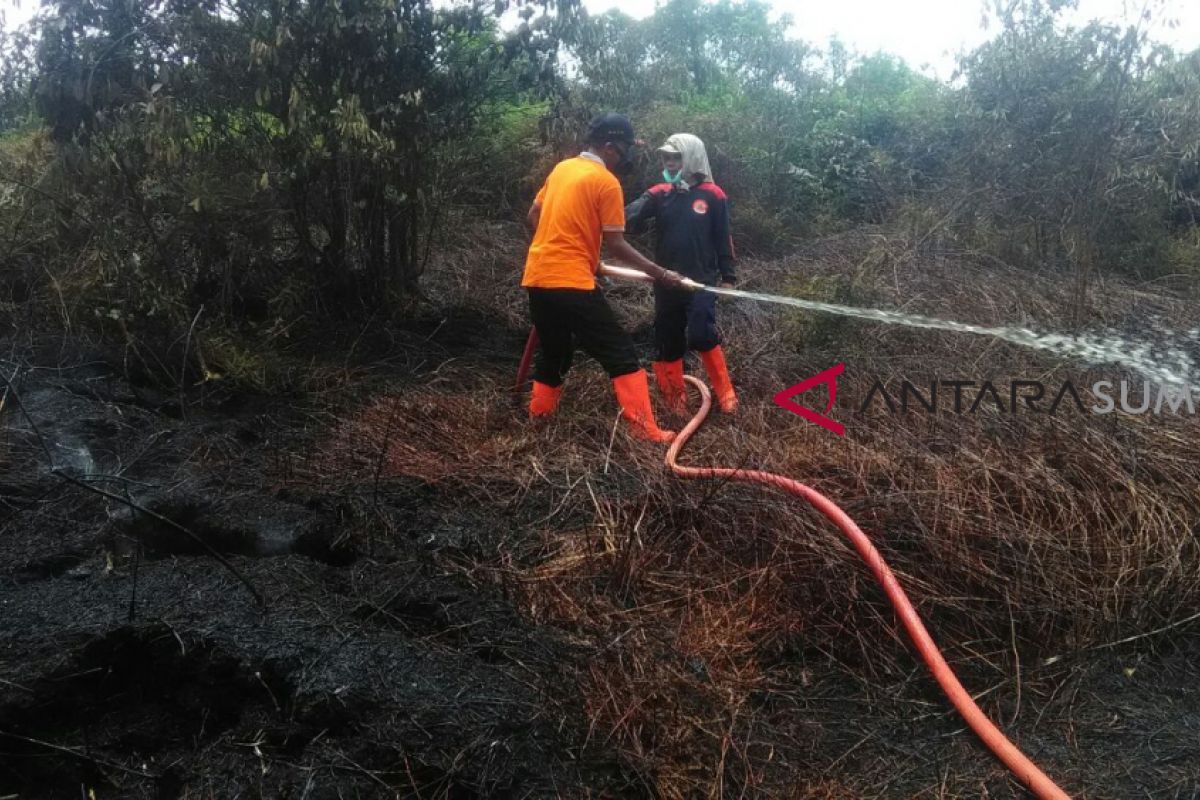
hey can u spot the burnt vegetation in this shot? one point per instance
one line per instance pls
(272, 525)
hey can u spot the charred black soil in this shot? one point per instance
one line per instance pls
(385, 659)
(134, 663)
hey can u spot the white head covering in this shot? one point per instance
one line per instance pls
(695, 159)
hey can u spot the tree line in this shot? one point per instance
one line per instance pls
(262, 158)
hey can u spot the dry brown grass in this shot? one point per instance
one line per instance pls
(418, 435)
(703, 605)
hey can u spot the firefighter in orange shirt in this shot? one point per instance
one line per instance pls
(580, 206)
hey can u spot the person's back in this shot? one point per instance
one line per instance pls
(579, 201)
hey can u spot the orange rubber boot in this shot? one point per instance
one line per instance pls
(718, 374)
(544, 400)
(670, 385)
(633, 393)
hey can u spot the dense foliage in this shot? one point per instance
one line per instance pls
(256, 156)
(271, 159)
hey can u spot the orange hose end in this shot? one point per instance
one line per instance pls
(1008, 753)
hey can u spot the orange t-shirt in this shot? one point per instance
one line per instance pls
(579, 200)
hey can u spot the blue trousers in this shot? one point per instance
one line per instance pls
(683, 321)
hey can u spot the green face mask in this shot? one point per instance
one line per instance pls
(672, 178)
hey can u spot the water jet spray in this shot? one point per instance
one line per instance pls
(1172, 366)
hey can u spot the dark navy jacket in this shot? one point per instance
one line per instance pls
(692, 230)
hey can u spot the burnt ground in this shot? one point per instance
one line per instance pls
(134, 663)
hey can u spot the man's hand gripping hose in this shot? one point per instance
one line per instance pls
(1016, 761)
(673, 279)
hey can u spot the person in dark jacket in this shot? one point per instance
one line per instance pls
(691, 219)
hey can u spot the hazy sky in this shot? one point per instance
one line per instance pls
(921, 31)
(932, 31)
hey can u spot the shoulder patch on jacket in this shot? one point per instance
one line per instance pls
(712, 189)
(660, 189)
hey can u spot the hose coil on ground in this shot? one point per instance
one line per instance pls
(1008, 753)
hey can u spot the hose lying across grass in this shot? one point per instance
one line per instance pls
(1029, 774)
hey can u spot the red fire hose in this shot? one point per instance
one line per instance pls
(526, 359)
(1025, 770)
(1016, 761)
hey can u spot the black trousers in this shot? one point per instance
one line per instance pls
(684, 320)
(565, 318)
